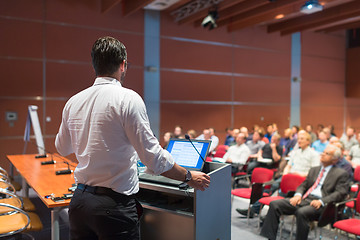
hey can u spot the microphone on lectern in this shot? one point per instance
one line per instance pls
(188, 138)
(49, 162)
(66, 171)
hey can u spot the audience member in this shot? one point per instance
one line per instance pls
(167, 137)
(348, 139)
(235, 132)
(354, 154)
(256, 144)
(275, 128)
(269, 156)
(320, 144)
(238, 154)
(192, 133)
(324, 184)
(246, 132)
(269, 131)
(301, 160)
(327, 131)
(229, 138)
(343, 163)
(319, 128)
(254, 129)
(262, 132)
(178, 132)
(206, 135)
(295, 129)
(309, 129)
(333, 140)
(287, 142)
(214, 139)
(332, 130)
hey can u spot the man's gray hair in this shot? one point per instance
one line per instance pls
(337, 153)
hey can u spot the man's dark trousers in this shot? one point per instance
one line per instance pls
(304, 213)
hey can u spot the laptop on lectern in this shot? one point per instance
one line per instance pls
(185, 155)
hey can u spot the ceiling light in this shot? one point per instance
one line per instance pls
(210, 20)
(311, 6)
(279, 16)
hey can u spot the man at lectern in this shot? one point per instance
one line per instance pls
(107, 127)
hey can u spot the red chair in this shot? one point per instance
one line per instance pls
(220, 151)
(350, 225)
(255, 191)
(354, 187)
(288, 184)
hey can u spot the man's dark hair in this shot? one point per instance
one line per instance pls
(107, 54)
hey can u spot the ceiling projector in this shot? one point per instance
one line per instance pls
(311, 7)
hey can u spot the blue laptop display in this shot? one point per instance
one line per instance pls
(185, 154)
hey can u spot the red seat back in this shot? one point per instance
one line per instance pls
(358, 203)
(261, 175)
(357, 174)
(290, 182)
(220, 151)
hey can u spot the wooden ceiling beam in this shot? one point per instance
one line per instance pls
(259, 11)
(322, 16)
(176, 5)
(344, 26)
(236, 25)
(201, 14)
(228, 13)
(131, 6)
(106, 5)
(312, 25)
(267, 16)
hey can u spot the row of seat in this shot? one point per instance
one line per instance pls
(17, 216)
(262, 178)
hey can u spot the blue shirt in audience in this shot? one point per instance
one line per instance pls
(319, 146)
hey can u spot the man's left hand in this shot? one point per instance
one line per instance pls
(316, 204)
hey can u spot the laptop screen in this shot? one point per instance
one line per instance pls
(185, 154)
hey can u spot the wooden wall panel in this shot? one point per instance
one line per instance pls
(261, 90)
(21, 39)
(322, 93)
(259, 38)
(324, 45)
(78, 47)
(262, 115)
(195, 116)
(21, 78)
(322, 69)
(88, 13)
(21, 107)
(353, 73)
(64, 80)
(196, 56)
(25, 9)
(353, 115)
(196, 87)
(52, 111)
(325, 115)
(260, 62)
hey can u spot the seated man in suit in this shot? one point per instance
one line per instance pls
(324, 184)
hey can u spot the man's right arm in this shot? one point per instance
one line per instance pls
(199, 180)
(156, 159)
(63, 139)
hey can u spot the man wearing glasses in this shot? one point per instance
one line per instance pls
(324, 184)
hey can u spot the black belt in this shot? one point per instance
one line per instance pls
(102, 191)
